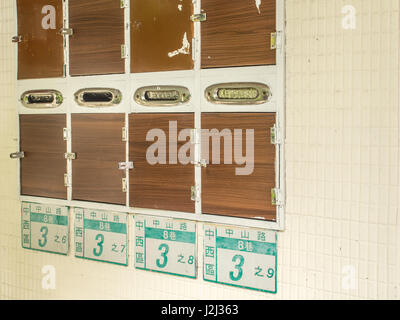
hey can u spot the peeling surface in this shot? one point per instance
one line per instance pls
(184, 50)
(258, 4)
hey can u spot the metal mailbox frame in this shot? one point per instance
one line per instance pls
(196, 80)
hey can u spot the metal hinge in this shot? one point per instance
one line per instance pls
(70, 156)
(195, 193)
(67, 180)
(200, 17)
(276, 135)
(16, 39)
(125, 166)
(124, 51)
(124, 4)
(124, 134)
(124, 185)
(276, 197)
(276, 42)
(17, 155)
(65, 133)
(66, 31)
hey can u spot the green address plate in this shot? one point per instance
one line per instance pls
(166, 245)
(45, 227)
(240, 257)
(101, 236)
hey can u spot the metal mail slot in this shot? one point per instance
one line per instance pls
(162, 96)
(238, 93)
(98, 97)
(41, 99)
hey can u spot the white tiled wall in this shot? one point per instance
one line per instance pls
(342, 172)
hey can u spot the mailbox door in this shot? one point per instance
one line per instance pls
(97, 143)
(237, 33)
(161, 35)
(224, 191)
(44, 166)
(159, 186)
(98, 33)
(41, 50)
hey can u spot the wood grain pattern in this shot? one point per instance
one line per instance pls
(159, 186)
(237, 34)
(246, 196)
(43, 168)
(41, 52)
(95, 46)
(158, 28)
(97, 142)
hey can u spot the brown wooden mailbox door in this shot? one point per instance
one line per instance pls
(165, 185)
(161, 35)
(98, 33)
(98, 147)
(43, 166)
(224, 191)
(237, 33)
(41, 47)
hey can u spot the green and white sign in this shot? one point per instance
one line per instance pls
(166, 245)
(44, 227)
(101, 235)
(240, 257)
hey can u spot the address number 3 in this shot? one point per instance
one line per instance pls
(100, 239)
(239, 260)
(161, 263)
(42, 242)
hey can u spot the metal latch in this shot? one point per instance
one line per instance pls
(124, 185)
(16, 39)
(276, 197)
(17, 155)
(125, 166)
(202, 163)
(66, 31)
(123, 4)
(200, 17)
(70, 156)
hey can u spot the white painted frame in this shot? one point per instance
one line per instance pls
(196, 80)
